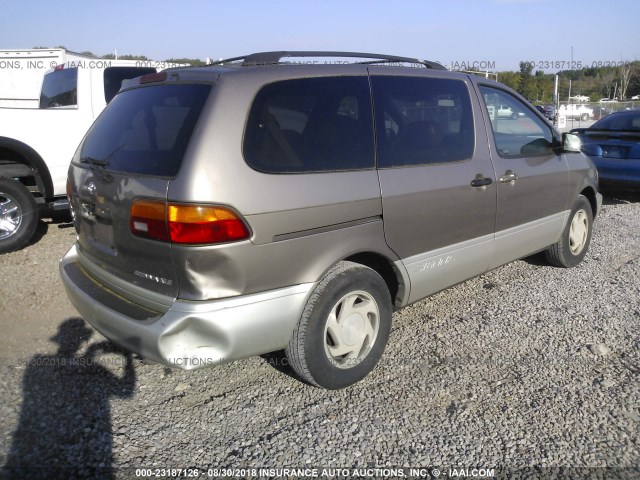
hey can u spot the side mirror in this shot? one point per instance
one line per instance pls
(571, 142)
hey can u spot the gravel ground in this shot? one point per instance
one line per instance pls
(526, 366)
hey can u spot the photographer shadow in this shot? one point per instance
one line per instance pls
(64, 429)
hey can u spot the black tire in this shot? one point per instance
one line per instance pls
(18, 215)
(566, 252)
(585, 117)
(514, 116)
(309, 351)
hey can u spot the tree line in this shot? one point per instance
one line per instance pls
(620, 82)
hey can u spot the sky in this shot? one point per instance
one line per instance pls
(487, 34)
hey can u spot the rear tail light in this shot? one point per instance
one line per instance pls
(186, 224)
(148, 218)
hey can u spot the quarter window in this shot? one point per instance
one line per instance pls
(517, 130)
(422, 121)
(311, 125)
(60, 88)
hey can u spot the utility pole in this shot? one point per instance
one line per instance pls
(556, 102)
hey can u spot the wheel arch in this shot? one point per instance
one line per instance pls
(14, 152)
(590, 194)
(397, 281)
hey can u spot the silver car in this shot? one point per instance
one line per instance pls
(256, 205)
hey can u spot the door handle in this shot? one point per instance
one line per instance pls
(509, 177)
(481, 181)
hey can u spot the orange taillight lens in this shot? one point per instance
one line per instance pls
(186, 224)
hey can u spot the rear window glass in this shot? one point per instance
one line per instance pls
(630, 121)
(145, 130)
(113, 77)
(60, 89)
(311, 125)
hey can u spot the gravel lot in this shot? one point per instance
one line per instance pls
(526, 366)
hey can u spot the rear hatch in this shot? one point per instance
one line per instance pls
(129, 155)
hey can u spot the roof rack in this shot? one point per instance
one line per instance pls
(274, 58)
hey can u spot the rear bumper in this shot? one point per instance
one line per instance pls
(189, 335)
(615, 172)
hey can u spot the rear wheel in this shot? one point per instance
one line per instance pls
(18, 215)
(343, 329)
(576, 237)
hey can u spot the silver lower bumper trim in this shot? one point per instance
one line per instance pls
(193, 335)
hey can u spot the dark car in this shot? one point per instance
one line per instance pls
(613, 143)
(546, 110)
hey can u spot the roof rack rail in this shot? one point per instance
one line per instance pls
(274, 58)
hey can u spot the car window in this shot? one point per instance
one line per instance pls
(311, 125)
(422, 121)
(145, 130)
(113, 77)
(517, 130)
(60, 88)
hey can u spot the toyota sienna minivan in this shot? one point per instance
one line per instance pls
(263, 203)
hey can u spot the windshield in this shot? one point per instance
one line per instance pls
(145, 130)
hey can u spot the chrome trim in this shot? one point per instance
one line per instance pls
(328, 228)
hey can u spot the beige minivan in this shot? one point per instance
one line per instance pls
(257, 204)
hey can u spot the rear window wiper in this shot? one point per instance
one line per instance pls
(101, 163)
(94, 161)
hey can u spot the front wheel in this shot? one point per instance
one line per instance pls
(343, 329)
(585, 117)
(576, 237)
(18, 215)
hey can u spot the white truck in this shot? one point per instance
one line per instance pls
(36, 144)
(581, 112)
(21, 73)
(580, 98)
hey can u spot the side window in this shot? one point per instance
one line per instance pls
(311, 125)
(422, 121)
(113, 77)
(517, 131)
(60, 88)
